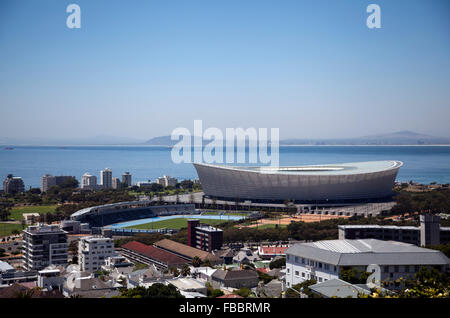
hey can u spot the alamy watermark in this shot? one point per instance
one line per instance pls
(235, 146)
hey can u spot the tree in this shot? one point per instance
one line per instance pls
(4, 213)
(279, 263)
(427, 283)
(302, 288)
(157, 290)
(243, 292)
(185, 271)
(196, 261)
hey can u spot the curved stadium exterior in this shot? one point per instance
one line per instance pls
(328, 183)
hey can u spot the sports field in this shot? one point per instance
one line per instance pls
(7, 228)
(17, 211)
(176, 223)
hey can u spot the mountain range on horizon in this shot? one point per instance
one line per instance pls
(396, 138)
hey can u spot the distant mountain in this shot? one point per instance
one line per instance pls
(97, 140)
(396, 138)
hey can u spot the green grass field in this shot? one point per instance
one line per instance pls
(7, 228)
(177, 223)
(16, 212)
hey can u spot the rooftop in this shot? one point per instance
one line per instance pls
(183, 249)
(367, 251)
(154, 253)
(328, 169)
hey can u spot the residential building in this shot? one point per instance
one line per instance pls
(106, 178)
(428, 233)
(93, 252)
(13, 184)
(389, 260)
(31, 218)
(245, 256)
(50, 279)
(44, 245)
(166, 181)
(269, 252)
(48, 181)
(126, 179)
(204, 237)
(234, 278)
(116, 183)
(88, 182)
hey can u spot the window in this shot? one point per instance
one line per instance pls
(296, 273)
(288, 271)
(320, 279)
(303, 274)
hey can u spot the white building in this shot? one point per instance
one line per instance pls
(166, 181)
(389, 260)
(116, 183)
(106, 178)
(93, 252)
(88, 181)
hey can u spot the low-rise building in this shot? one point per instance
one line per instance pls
(234, 278)
(269, 252)
(150, 255)
(427, 234)
(388, 260)
(31, 218)
(187, 252)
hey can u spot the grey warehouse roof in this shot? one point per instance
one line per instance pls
(366, 252)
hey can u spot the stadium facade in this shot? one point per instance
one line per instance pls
(102, 215)
(316, 183)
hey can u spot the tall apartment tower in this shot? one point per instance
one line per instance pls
(88, 181)
(13, 184)
(126, 179)
(93, 252)
(44, 245)
(429, 230)
(106, 178)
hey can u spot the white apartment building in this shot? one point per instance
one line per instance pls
(88, 181)
(166, 181)
(93, 252)
(106, 178)
(390, 260)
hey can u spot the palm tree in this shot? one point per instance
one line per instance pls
(185, 271)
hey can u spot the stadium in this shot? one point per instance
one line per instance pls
(99, 216)
(346, 182)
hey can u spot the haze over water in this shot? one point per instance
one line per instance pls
(423, 164)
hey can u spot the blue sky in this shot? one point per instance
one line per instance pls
(142, 68)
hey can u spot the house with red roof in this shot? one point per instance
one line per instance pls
(269, 252)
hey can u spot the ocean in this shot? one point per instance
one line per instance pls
(423, 164)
